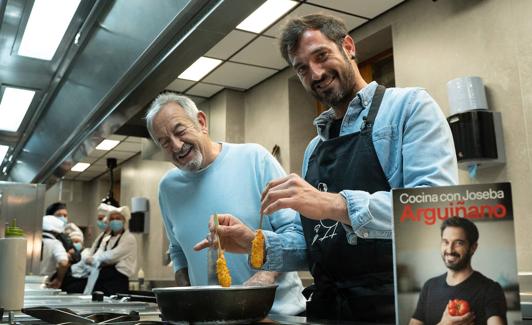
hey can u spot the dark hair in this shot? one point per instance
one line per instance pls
(52, 208)
(468, 226)
(332, 27)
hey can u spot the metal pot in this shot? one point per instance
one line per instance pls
(235, 304)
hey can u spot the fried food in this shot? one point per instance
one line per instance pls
(257, 250)
(222, 271)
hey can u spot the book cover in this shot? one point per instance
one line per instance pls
(455, 244)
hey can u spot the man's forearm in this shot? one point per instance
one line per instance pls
(181, 277)
(62, 268)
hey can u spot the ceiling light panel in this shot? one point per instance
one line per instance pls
(200, 68)
(46, 27)
(13, 107)
(107, 144)
(79, 167)
(3, 152)
(266, 15)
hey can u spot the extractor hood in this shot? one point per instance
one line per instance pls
(114, 63)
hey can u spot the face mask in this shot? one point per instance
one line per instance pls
(116, 225)
(101, 224)
(77, 246)
(65, 221)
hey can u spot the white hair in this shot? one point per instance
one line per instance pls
(168, 97)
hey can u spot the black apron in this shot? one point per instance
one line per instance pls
(110, 280)
(351, 282)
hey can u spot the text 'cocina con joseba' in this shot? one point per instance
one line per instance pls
(471, 205)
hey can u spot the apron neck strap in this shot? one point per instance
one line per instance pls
(375, 104)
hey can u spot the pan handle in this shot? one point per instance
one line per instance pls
(130, 297)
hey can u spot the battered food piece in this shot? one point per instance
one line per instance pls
(257, 250)
(224, 277)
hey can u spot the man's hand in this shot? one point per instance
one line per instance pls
(294, 192)
(447, 319)
(55, 284)
(235, 236)
(262, 278)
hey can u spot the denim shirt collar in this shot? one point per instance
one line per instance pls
(361, 101)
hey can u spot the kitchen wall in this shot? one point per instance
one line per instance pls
(140, 177)
(434, 42)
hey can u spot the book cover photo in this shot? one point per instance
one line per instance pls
(454, 254)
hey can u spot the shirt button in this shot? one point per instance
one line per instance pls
(365, 103)
(365, 234)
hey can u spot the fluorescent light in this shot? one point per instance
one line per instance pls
(79, 167)
(200, 68)
(265, 15)
(13, 107)
(46, 27)
(107, 144)
(3, 152)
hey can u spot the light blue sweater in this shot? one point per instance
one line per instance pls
(232, 184)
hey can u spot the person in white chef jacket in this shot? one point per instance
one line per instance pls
(76, 279)
(117, 255)
(103, 226)
(54, 257)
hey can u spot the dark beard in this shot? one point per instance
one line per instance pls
(343, 95)
(462, 264)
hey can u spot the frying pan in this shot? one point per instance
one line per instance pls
(236, 304)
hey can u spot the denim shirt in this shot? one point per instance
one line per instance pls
(415, 148)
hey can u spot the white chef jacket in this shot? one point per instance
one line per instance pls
(52, 253)
(81, 269)
(124, 255)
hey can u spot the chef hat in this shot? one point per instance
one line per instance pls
(70, 227)
(77, 234)
(104, 208)
(52, 223)
(123, 210)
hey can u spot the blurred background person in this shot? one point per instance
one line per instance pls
(54, 256)
(116, 257)
(76, 276)
(103, 226)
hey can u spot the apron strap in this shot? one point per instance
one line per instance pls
(375, 104)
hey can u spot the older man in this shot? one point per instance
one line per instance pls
(214, 177)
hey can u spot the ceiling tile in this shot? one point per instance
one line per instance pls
(120, 155)
(133, 139)
(179, 85)
(97, 168)
(238, 75)
(89, 159)
(116, 137)
(91, 173)
(263, 51)
(306, 9)
(97, 153)
(128, 146)
(364, 8)
(204, 90)
(230, 44)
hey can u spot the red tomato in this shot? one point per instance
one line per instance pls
(458, 307)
